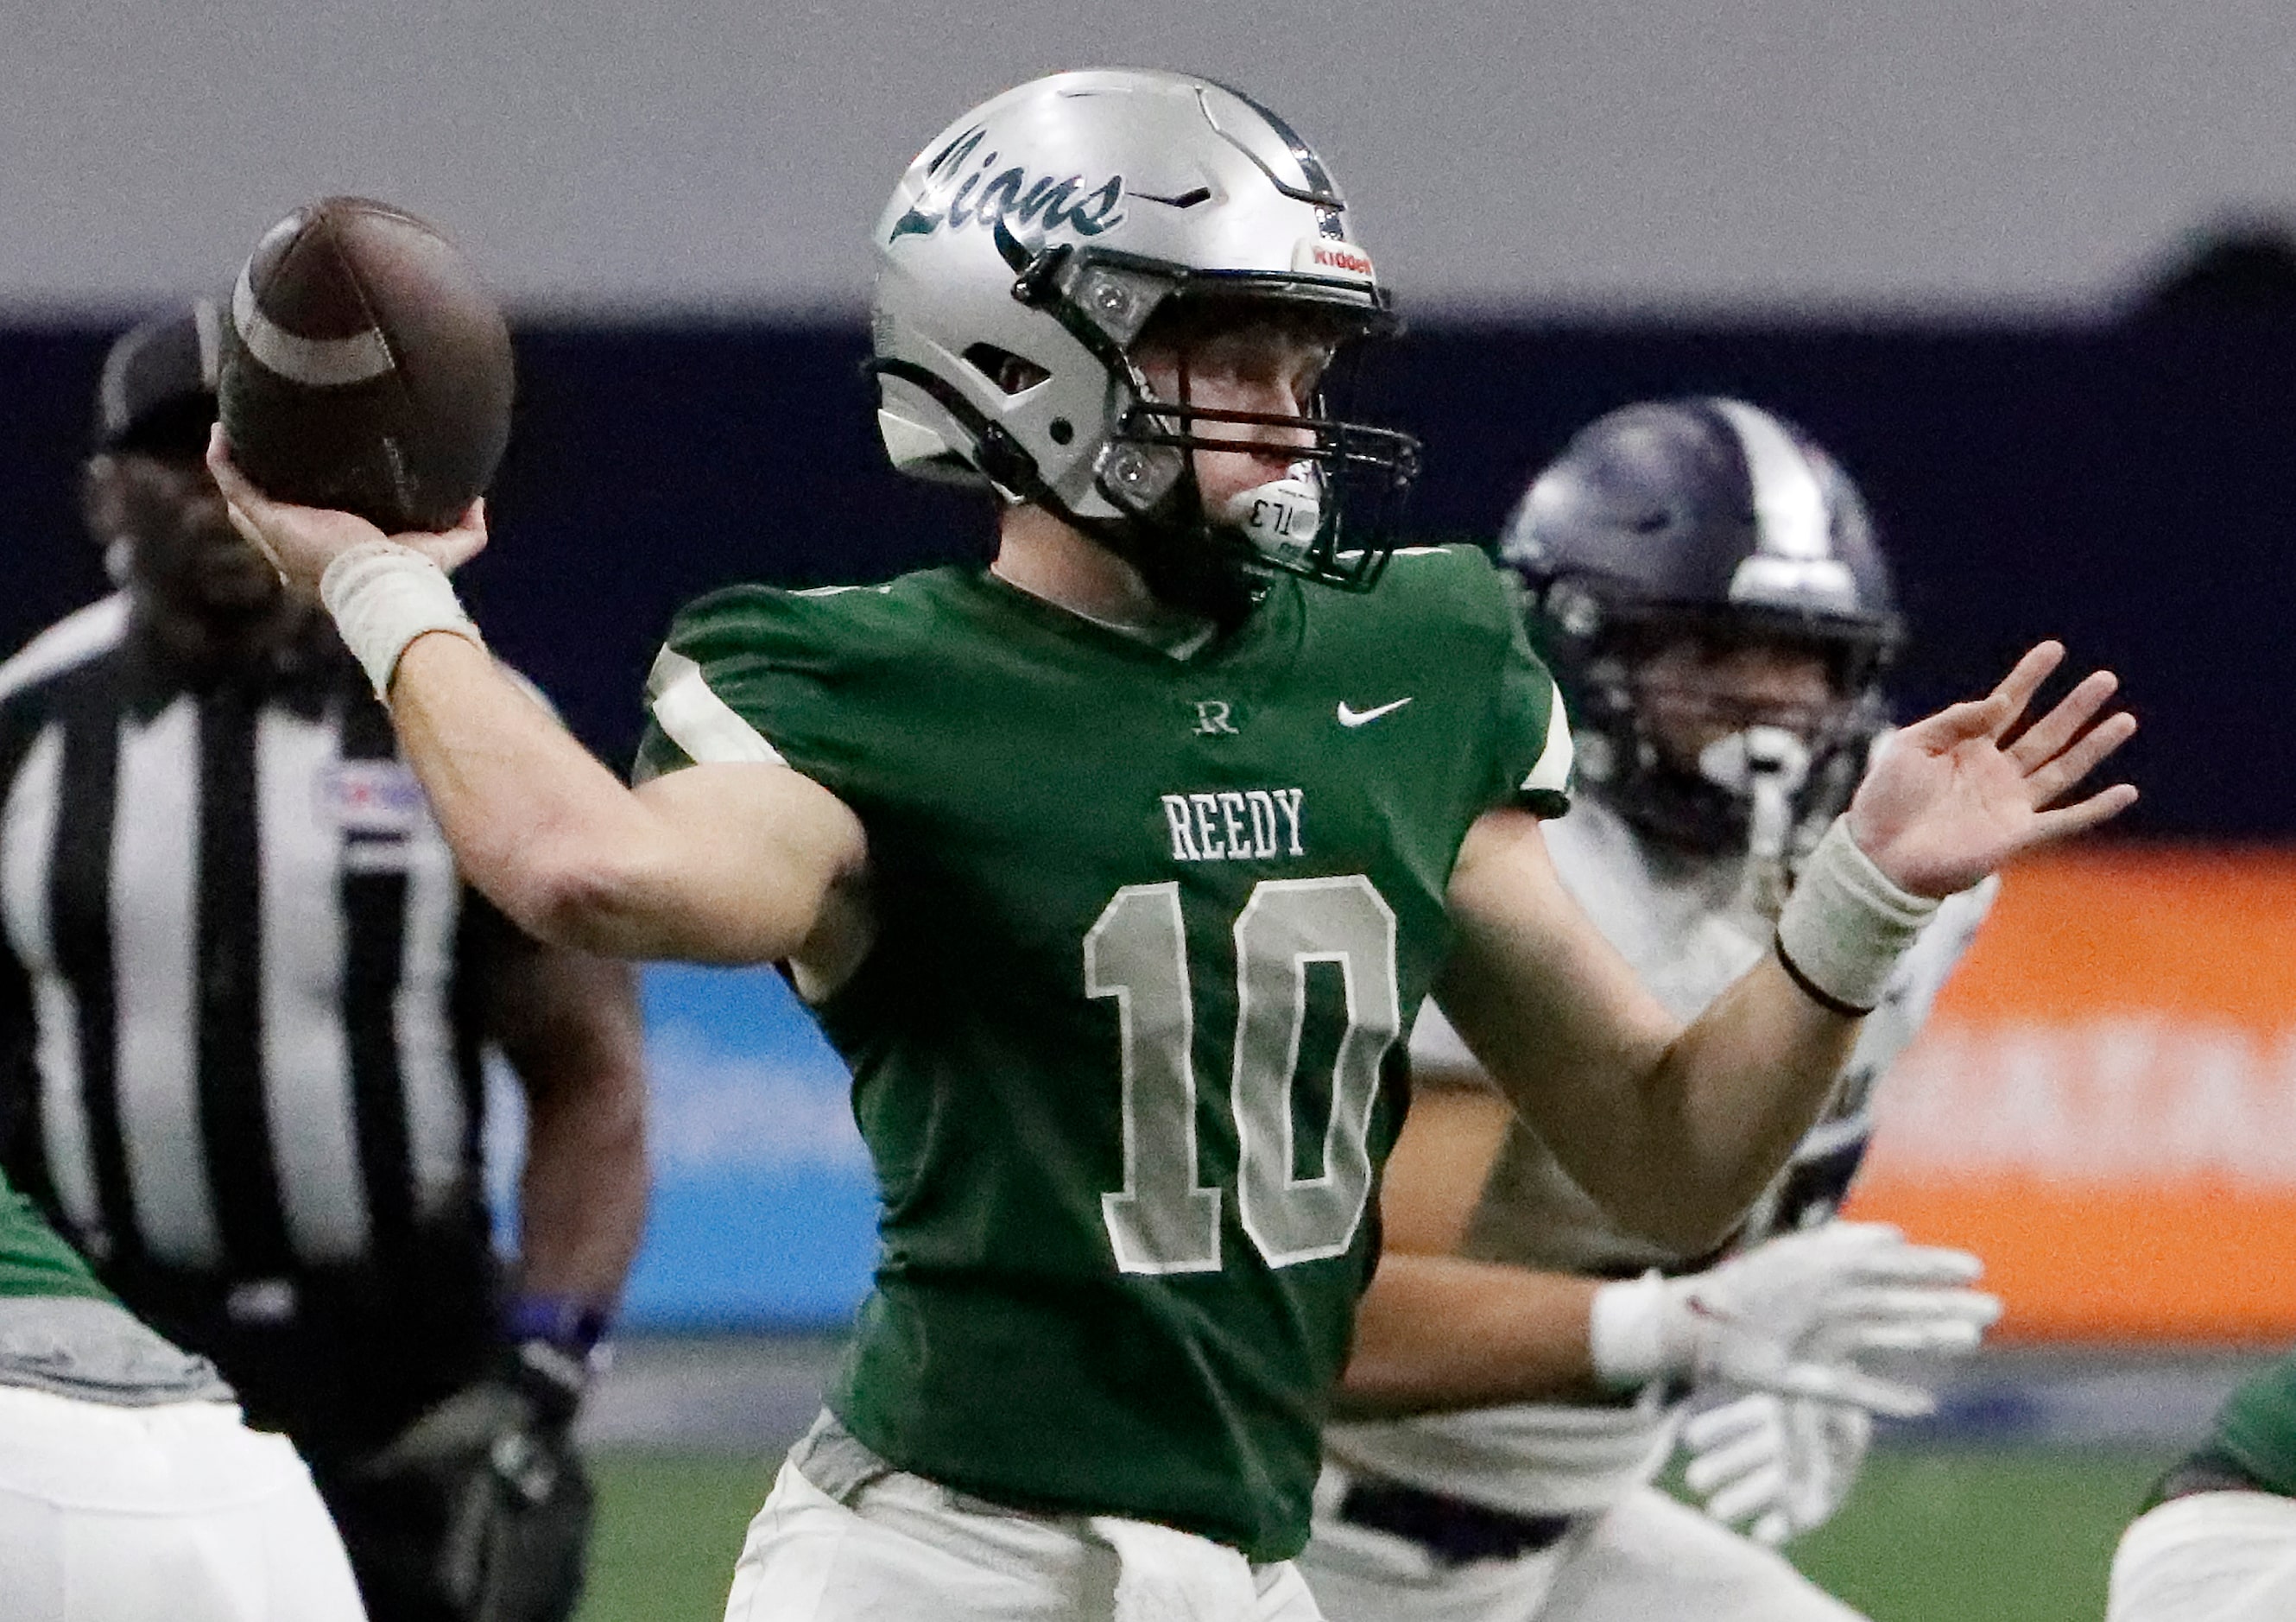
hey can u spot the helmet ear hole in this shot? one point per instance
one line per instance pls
(1011, 374)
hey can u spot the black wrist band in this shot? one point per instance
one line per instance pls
(1810, 988)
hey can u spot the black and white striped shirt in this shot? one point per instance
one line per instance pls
(239, 988)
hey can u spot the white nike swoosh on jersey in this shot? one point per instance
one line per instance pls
(1357, 718)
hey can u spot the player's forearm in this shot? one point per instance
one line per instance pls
(1674, 1130)
(571, 855)
(1721, 1111)
(582, 1200)
(1680, 1152)
(573, 1033)
(1677, 1140)
(1435, 1334)
(1746, 1080)
(532, 816)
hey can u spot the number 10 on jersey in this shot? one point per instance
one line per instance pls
(1163, 1220)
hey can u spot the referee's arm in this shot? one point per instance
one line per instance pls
(569, 1025)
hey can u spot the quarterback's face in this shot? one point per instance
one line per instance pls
(1268, 368)
(1694, 690)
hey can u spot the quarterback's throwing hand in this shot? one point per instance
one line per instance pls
(302, 542)
(1949, 799)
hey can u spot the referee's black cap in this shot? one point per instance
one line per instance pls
(158, 392)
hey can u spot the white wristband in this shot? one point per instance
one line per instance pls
(1625, 1332)
(383, 596)
(1846, 925)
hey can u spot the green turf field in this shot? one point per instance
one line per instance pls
(2005, 1536)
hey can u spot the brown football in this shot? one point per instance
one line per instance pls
(365, 367)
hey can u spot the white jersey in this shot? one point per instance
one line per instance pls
(1681, 922)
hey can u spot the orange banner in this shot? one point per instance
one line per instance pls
(2103, 1106)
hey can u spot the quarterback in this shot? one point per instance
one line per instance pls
(2218, 1543)
(1706, 581)
(1117, 867)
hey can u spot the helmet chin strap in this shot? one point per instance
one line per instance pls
(1212, 565)
(1215, 568)
(1767, 765)
(1163, 541)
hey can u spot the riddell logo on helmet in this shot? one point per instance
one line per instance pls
(1321, 254)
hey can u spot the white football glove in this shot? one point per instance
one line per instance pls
(1792, 1316)
(1775, 1466)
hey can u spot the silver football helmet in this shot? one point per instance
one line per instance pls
(1021, 260)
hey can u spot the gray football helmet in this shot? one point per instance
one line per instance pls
(1713, 518)
(1024, 255)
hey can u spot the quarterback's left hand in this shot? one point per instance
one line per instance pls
(302, 542)
(1949, 799)
(1775, 1466)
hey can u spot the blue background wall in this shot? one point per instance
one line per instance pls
(763, 1209)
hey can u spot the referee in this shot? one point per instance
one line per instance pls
(244, 997)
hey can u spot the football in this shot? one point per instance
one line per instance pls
(365, 367)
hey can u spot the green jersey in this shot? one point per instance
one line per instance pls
(33, 1261)
(2256, 1429)
(63, 1333)
(1125, 1048)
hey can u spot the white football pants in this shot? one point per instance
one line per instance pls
(2211, 1557)
(1648, 1556)
(908, 1549)
(174, 1513)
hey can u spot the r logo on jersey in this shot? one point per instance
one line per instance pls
(1214, 717)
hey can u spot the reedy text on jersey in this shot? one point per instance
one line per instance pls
(1236, 825)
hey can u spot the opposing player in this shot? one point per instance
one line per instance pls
(2217, 1542)
(129, 1488)
(1116, 868)
(1706, 582)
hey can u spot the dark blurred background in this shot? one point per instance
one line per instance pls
(2126, 486)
